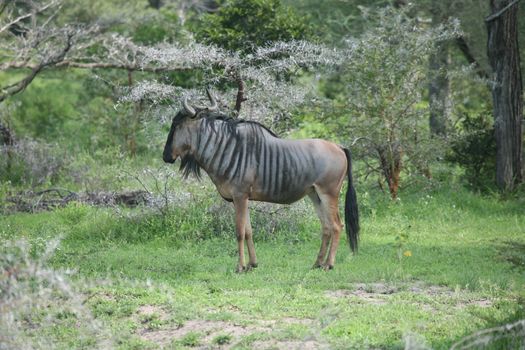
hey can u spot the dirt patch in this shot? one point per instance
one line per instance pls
(378, 288)
(374, 293)
(440, 291)
(150, 310)
(150, 318)
(287, 321)
(430, 290)
(478, 302)
(102, 296)
(207, 330)
(287, 344)
(368, 297)
(380, 294)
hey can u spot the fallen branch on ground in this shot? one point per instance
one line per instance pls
(50, 199)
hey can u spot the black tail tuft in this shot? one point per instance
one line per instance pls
(351, 210)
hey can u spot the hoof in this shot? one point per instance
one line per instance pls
(240, 269)
(328, 267)
(252, 265)
(317, 266)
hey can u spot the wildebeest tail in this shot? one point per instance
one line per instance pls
(351, 210)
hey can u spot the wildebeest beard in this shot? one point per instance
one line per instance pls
(189, 166)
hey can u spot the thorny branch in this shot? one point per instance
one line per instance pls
(266, 74)
(33, 12)
(49, 61)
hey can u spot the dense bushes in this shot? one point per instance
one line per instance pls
(31, 163)
(36, 299)
(474, 148)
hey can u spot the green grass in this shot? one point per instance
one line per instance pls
(440, 263)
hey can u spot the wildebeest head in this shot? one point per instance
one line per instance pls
(183, 128)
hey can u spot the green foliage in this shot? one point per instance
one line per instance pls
(47, 109)
(158, 27)
(222, 339)
(243, 25)
(385, 81)
(474, 148)
(191, 339)
(334, 20)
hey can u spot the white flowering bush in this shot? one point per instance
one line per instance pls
(35, 297)
(268, 74)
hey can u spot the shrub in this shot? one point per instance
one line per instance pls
(474, 148)
(29, 162)
(385, 79)
(35, 299)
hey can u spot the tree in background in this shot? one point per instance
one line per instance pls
(31, 41)
(507, 91)
(439, 84)
(144, 53)
(386, 75)
(245, 25)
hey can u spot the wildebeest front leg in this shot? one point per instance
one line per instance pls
(241, 214)
(249, 242)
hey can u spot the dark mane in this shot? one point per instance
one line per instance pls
(189, 166)
(232, 123)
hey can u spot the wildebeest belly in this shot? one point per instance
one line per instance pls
(287, 196)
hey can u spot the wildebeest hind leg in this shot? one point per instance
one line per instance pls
(336, 226)
(325, 228)
(241, 213)
(249, 243)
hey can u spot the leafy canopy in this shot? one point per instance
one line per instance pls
(243, 25)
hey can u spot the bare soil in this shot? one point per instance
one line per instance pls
(210, 330)
(380, 293)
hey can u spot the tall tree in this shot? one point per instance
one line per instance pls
(507, 91)
(439, 84)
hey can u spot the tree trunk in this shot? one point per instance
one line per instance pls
(132, 125)
(390, 158)
(507, 91)
(439, 90)
(439, 86)
(6, 136)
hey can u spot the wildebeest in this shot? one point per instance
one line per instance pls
(246, 161)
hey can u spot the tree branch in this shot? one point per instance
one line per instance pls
(27, 15)
(465, 50)
(500, 12)
(93, 65)
(240, 94)
(22, 84)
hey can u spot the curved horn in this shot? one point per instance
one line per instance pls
(187, 107)
(214, 103)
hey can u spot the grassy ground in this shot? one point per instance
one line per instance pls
(436, 266)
